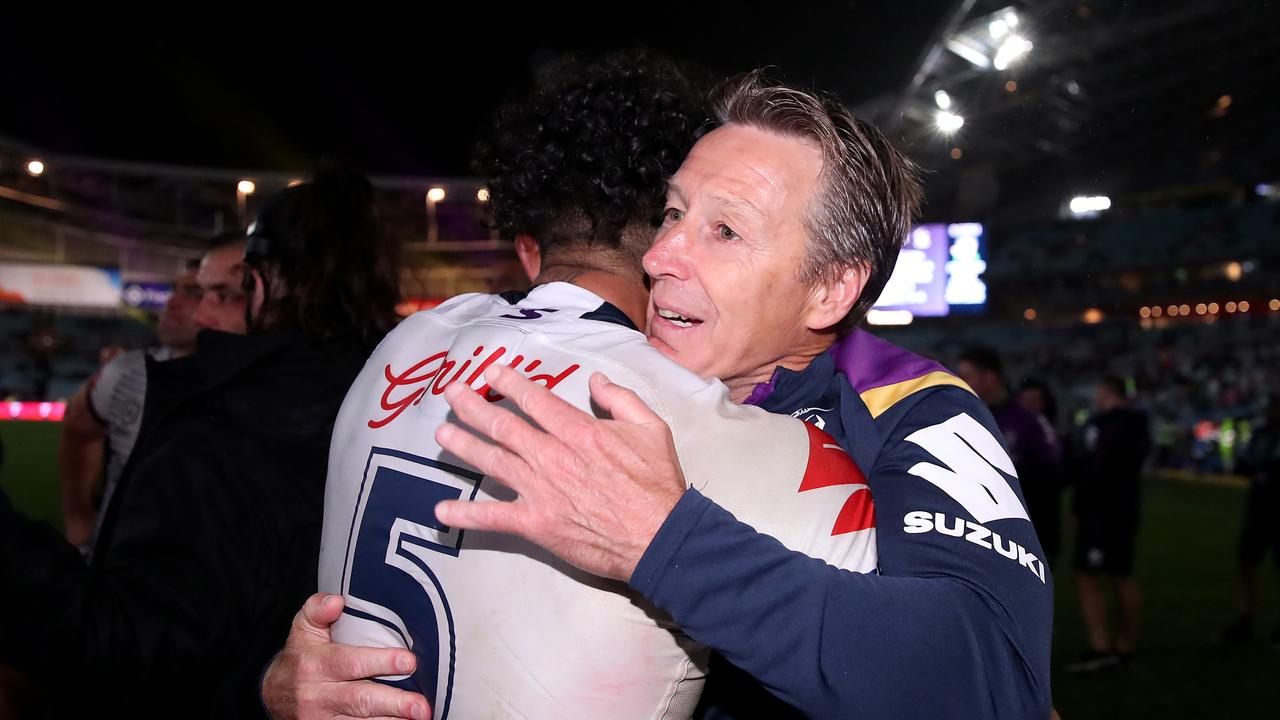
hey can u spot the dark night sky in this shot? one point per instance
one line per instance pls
(401, 92)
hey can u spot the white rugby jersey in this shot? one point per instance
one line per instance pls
(501, 628)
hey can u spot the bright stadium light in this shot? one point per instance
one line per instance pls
(1011, 50)
(482, 195)
(35, 168)
(948, 122)
(1234, 271)
(435, 194)
(973, 55)
(943, 99)
(890, 317)
(1089, 205)
(246, 187)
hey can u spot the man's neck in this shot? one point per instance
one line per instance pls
(626, 292)
(741, 387)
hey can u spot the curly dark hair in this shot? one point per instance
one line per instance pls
(586, 155)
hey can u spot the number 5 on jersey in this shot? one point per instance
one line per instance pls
(392, 596)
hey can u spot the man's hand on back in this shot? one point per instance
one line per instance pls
(592, 491)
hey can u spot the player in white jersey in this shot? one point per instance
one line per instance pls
(500, 627)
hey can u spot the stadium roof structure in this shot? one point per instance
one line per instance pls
(1097, 97)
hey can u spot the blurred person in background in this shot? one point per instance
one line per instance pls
(222, 295)
(1036, 396)
(1260, 527)
(209, 544)
(1107, 508)
(1031, 441)
(103, 417)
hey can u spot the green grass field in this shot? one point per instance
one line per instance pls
(1186, 567)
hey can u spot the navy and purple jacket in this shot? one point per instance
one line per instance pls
(957, 622)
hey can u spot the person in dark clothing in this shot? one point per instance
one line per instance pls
(212, 541)
(1032, 444)
(1115, 445)
(1260, 528)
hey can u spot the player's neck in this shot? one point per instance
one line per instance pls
(625, 291)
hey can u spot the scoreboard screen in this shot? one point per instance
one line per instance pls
(939, 271)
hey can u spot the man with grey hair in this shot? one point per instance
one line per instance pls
(781, 228)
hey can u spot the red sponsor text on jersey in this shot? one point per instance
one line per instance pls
(830, 465)
(436, 372)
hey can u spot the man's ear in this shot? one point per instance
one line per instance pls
(832, 300)
(530, 255)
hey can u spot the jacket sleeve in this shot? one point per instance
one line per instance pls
(957, 624)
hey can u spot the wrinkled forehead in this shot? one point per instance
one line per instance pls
(745, 168)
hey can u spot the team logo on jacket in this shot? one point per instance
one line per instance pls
(436, 372)
(830, 466)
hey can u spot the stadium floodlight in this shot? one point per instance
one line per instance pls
(975, 56)
(1011, 50)
(943, 99)
(1089, 204)
(889, 317)
(246, 187)
(483, 195)
(948, 122)
(35, 168)
(435, 194)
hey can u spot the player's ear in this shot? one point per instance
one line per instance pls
(530, 255)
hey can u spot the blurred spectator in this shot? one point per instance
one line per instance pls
(1037, 397)
(221, 278)
(1260, 530)
(1031, 441)
(1115, 444)
(211, 540)
(42, 342)
(103, 417)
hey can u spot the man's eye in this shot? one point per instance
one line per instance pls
(672, 215)
(727, 233)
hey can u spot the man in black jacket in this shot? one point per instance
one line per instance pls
(211, 544)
